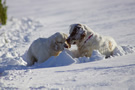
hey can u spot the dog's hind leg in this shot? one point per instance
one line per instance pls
(30, 59)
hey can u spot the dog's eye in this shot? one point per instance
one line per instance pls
(78, 27)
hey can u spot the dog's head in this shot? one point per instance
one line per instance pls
(77, 33)
(59, 41)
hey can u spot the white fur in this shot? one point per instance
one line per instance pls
(43, 48)
(105, 44)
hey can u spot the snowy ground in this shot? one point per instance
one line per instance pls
(31, 19)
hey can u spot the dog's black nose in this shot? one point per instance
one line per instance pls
(65, 45)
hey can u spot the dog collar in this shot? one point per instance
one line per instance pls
(88, 38)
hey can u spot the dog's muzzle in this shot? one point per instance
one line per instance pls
(66, 46)
(71, 41)
(68, 40)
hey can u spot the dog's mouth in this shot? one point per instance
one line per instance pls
(71, 41)
(74, 42)
(67, 45)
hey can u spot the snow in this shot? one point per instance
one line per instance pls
(31, 19)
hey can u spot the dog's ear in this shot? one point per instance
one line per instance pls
(72, 26)
(54, 45)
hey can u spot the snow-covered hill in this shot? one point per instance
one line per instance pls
(31, 19)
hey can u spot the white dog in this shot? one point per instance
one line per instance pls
(87, 41)
(43, 48)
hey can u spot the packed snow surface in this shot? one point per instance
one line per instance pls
(31, 19)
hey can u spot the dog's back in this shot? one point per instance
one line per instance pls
(107, 45)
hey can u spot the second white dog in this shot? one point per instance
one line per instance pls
(43, 48)
(87, 41)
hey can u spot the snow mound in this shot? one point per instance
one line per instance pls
(65, 58)
(62, 60)
(123, 50)
(96, 55)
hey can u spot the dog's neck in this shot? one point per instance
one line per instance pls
(85, 40)
(89, 35)
(88, 38)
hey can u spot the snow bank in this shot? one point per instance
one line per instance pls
(14, 40)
